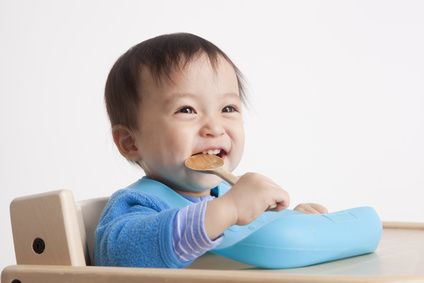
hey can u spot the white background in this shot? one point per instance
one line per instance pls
(337, 95)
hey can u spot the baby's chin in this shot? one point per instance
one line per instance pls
(201, 182)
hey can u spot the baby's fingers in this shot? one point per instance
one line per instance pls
(311, 208)
(280, 205)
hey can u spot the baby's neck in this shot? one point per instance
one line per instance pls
(193, 194)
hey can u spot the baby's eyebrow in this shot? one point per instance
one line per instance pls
(178, 96)
(233, 95)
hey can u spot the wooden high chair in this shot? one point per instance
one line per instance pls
(54, 241)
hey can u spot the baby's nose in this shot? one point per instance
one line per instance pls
(212, 128)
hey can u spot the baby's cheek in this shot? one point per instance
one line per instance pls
(236, 158)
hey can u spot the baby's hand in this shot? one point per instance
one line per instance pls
(253, 194)
(246, 201)
(311, 208)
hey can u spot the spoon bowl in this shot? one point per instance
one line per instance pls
(210, 164)
(202, 162)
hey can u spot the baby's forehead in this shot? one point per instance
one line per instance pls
(152, 77)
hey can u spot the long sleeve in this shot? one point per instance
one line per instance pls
(135, 230)
(189, 237)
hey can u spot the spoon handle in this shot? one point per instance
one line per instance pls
(227, 176)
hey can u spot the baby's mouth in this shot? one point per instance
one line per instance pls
(218, 152)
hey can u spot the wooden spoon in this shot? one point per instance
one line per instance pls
(212, 164)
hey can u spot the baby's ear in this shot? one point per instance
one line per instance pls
(125, 142)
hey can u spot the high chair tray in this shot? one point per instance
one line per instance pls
(398, 258)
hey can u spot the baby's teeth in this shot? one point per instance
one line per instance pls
(211, 151)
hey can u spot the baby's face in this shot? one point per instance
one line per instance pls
(199, 111)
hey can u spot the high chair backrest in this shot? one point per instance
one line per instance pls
(51, 229)
(90, 211)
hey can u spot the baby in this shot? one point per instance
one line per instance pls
(168, 98)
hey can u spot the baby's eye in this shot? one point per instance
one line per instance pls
(229, 108)
(187, 110)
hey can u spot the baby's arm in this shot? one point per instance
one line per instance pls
(135, 230)
(245, 202)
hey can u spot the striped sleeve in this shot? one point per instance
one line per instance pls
(189, 237)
